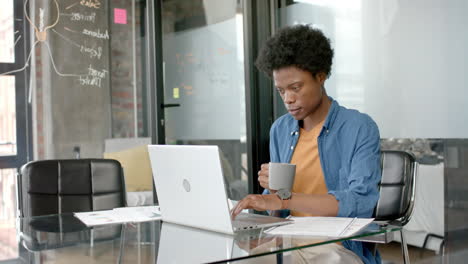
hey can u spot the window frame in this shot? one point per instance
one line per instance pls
(23, 108)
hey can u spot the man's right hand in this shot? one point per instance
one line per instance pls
(264, 176)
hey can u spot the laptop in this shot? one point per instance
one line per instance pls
(191, 190)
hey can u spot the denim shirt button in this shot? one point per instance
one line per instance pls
(292, 147)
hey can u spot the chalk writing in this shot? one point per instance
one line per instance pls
(96, 34)
(96, 73)
(90, 81)
(91, 3)
(70, 6)
(81, 17)
(94, 77)
(41, 19)
(65, 38)
(71, 30)
(92, 52)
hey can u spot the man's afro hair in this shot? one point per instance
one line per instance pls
(302, 46)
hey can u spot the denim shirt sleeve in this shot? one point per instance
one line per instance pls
(363, 177)
(274, 145)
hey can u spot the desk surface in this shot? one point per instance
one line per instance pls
(63, 238)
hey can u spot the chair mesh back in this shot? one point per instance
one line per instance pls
(61, 186)
(396, 186)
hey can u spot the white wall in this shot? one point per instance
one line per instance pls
(402, 62)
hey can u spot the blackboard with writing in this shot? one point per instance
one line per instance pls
(75, 72)
(79, 43)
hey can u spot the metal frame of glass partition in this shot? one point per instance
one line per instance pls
(259, 95)
(155, 72)
(154, 76)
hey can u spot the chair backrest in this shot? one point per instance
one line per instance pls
(61, 186)
(397, 187)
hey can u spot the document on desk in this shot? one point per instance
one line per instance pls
(120, 215)
(322, 226)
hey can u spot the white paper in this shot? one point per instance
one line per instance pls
(140, 213)
(99, 217)
(120, 215)
(322, 226)
(357, 225)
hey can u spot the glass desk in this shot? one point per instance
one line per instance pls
(63, 238)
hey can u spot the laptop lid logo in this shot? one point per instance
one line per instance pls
(186, 185)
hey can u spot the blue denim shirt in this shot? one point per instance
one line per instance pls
(349, 150)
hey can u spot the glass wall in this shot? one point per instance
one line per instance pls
(81, 103)
(404, 63)
(93, 102)
(83, 80)
(85, 83)
(204, 81)
(11, 145)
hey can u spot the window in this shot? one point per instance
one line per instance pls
(13, 119)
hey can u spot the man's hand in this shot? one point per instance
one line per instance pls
(264, 175)
(257, 202)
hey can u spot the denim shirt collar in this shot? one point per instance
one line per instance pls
(329, 120)
(331, 116)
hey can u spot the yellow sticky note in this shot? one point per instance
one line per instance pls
(175, 93)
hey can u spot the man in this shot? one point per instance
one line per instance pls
(336, 150)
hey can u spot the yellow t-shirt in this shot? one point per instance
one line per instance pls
(309, 177)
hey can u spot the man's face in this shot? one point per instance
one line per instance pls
(301, 92)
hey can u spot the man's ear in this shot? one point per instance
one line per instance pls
(321, 77)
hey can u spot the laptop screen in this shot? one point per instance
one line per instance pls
(190, 186)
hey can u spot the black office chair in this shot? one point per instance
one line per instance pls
(65, 186)
(397, 190)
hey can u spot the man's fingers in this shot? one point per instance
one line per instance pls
(264, 185)
(257, 202)
(264, 181)
(241, 205)
(233, 211)
(264, 168)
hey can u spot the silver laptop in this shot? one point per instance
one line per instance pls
(191, 190)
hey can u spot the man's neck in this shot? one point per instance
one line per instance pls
(311, 121)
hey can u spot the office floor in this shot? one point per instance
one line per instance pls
(391, 254)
